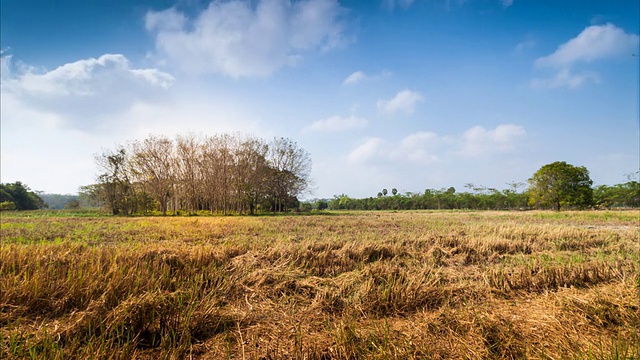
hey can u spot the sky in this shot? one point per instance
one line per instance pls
(406, 94)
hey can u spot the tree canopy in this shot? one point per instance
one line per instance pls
(558, 185)
(18, 196)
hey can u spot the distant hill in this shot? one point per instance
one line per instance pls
(58, 201)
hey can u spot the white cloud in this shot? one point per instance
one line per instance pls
(80, 94)
(337, 123)
(564, 78)
(169, 19)
(354, 78)
(596, 42)
(593, 43)
(479, 141)
(507, 3)
(420, 147)
(246, 38)
(367, 150)
(405, 102)
(426, 147)
(360, 76)
(525, 45)
(423, 147)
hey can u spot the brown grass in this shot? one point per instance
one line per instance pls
(348, 286)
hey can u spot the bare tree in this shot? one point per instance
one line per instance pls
(153, 161)
(290, 170)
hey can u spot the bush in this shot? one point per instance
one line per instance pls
(7, 205)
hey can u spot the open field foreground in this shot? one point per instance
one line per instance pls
(376, 285)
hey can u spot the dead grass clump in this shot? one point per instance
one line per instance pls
(390, 290)
(539, 277)
(502, 338)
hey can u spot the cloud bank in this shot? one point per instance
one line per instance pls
(84, 92)
(425, 147)
(246, 38)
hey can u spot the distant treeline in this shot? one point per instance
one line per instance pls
(240, 174)
(625, 195)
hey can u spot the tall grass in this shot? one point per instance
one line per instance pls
(361, 285)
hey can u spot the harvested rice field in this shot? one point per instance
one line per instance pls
(334, 285)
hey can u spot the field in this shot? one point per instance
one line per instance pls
(375, 285)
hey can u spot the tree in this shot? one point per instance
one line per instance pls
(115, 182)
(558, 185)
(384, 192)
(394, 191)
(322, 204)
(20, 196)
(72, 204)
(153, 161)
(290, 170)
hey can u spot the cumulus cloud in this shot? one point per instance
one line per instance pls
(247, 38)
(480, 141)
(593, 43)
(426, 147)
(337, 123)
(81, 92)
(368, 149)
(564, 78)
(404, 102)
(354, 78)
(419, 147)
(596, 42)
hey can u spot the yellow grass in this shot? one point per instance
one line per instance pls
(378, 285)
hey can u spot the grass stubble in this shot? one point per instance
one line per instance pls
(379, 285)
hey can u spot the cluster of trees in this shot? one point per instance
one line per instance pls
(554, 186)
(18, 196)
(625, 195)
(480, 198)
(220, 174)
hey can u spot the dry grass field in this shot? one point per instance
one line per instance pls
(364, 285)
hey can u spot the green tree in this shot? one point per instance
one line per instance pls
(322, 204)
(394, 191)
(72, 204)
(384, 192)
(558, 185)
(21, 196)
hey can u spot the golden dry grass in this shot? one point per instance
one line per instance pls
(375, 285)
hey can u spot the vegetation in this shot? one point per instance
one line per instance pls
(620, 195)
(334, 285)
(17, 196)
(481, 199)
(59, 201)
(219, 174)
(554, 186)
(559, 185)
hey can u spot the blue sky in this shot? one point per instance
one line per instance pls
(383, 94)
